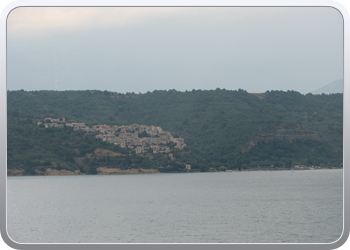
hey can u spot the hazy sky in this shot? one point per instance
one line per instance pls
(129, 49)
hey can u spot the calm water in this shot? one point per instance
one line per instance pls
(234, 207)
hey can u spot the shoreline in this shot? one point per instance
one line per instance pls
(118, 171)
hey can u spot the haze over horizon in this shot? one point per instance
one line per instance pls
(134, 49)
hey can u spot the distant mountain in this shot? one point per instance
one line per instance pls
(332, 88)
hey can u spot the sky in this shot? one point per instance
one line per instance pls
(135, 49)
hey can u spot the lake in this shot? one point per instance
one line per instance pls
(303, 206)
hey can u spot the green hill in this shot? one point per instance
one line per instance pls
(221, 128)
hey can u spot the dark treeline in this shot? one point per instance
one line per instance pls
(233, 129)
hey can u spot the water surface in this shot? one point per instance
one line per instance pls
(229, 207)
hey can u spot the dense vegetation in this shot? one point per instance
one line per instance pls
(232, 129)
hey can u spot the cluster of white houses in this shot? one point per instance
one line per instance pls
(140, 138)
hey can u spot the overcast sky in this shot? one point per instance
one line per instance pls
(133, 49)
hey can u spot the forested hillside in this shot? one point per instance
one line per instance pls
(221, 128)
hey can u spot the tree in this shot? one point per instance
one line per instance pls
(244, 166)
(92, 170)
(222, 168)
(288, 164)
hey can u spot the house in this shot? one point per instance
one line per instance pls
(120, 144)
(155, 149)
(127, 136)
(139, 150)
(180, 146)
(100, 136)
(133, 127)
(100, 127)
(159, 130)
(109, 137)
(56, 125)
(123, 129)
(52, 120)
(76, 126)
(48, 119)
(164, 149)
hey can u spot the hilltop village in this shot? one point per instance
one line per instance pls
(139, 138)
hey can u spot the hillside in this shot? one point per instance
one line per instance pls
(220, 127)
(331, 88)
